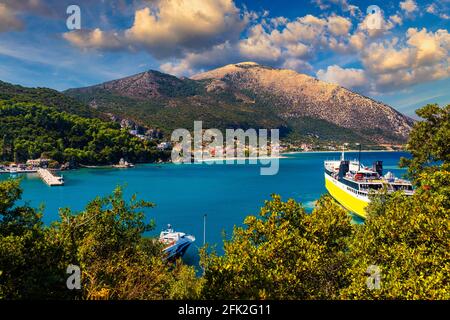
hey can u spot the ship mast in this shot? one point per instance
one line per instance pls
(359, 156)
(343, 151)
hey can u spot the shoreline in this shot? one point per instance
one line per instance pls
(339, 151)
(282, 155)
(96, 167)
(225, 159)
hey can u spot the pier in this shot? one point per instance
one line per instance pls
(49, 178)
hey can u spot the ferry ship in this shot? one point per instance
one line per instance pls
(175, 243)
(350, 182)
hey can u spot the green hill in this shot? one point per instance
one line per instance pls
(29, 130)
(45, 96)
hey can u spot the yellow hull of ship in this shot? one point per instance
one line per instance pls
(347, 199)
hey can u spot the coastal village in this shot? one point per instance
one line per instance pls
(47, 168)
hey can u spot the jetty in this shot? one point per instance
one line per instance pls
(49, 178)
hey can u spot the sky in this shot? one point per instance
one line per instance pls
(396, 52)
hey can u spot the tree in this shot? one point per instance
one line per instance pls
(27, 270)
(39, 129)
(106, 241)
(282, 254)
(117, 262)
(408, 238)
(408, 241)
(429, 141)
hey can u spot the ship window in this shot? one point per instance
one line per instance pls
(397, 187)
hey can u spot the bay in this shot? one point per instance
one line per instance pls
(184, 193)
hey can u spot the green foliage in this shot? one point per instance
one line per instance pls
(28, 130)
(27, 269)
(117, 262)
(176, 110)
(282, 254)
(45, 96)
(408, 238)
(429, 142)
(106, 241)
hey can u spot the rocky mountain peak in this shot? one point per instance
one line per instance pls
(240, 93)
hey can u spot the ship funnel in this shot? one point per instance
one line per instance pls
(378, 167)
(344, 167)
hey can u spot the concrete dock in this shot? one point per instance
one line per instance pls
(49, 178)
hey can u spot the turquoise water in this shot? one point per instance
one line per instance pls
(184, 193)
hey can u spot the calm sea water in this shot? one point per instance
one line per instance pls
(184, 193)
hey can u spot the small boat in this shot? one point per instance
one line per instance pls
(123, 164)
(175, 243)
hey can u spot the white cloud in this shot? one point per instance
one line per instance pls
(188, 36)
(326, 4)
(307, 29)
(396, 19)
(94, 39)
(389, 65)
(182, 68)
(339, 26)
(298, 50)
(171, 28)
(409, 6)
(297, 65)
(422, 57)
(429, 47)
(259, 45)
(358, 40)
(435, 10)
(349, 78)
(218, 55)
(355, 11)
(187, 24)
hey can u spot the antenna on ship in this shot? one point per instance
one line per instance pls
(343, 151)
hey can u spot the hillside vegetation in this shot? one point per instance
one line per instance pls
(45, 96)
(29, 130)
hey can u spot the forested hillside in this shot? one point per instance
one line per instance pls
(45, 96)
(29, 130)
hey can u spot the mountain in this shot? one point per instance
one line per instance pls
(249, 95)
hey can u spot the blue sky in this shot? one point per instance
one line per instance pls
(402, 61)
